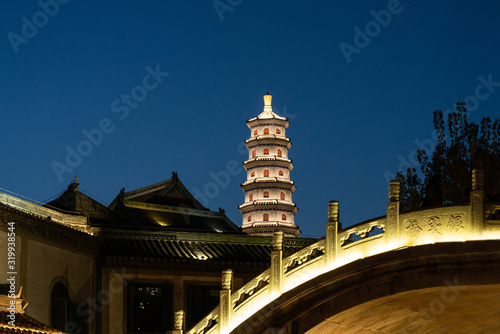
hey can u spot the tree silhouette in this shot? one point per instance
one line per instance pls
(461, 147)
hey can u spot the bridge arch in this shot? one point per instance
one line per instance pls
(435, 248)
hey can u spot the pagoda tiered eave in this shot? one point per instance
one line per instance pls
(268, 205)
(268, 161)
(268, 140)
(268, 227)
(251, 185)
(251, 123)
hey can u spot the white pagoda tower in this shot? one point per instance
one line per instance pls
(268, 190)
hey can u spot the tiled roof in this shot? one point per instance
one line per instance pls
(185, 249)
(24, 325)
(171, 192)
(242, 249)
(171, 218)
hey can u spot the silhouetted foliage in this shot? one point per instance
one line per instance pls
(446, 174)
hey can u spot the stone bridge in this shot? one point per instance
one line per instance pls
(433, 270)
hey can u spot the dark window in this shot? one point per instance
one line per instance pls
(266, 217)
(4, 289)
(282, 195)
(249, 218)
(266, 194)
(64, 313)
(281, 173)
(266, 173)
(266, 151)
(253, 154)
(150, 308)
(279, 153)
(250, 198)
(201, 300)
(253, 174)
(283, 217)
(59, 306)
(278, 131)
(255, 133)
(266, 131)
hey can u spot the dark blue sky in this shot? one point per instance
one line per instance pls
(355, 114)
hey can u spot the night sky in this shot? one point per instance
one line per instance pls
(162, 86)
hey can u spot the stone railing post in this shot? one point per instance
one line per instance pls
(332, 229)
(391, 232)
(276, 277)
(178, 323)
(477, 201)
(226, 305)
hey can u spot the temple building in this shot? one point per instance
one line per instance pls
(151, 261)
(268, 190)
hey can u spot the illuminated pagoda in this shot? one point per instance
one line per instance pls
(268, 190)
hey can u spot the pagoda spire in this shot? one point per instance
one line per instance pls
(268, 205)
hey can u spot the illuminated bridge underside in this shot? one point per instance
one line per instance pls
(455, 285)
(474, 309)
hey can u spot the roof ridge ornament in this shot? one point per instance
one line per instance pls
(74, 185)
(267, 100)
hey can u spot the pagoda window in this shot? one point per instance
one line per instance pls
(280, 153)
(255, 132)
(249, 218)
(266, 194)
(254, 154)
(266, 173)
(266, 131)
(278, 131)
(282, 195)
(281, 173)
(253, 174)
(250, 198)
(266, 151)
(283, 217)
(266, 217)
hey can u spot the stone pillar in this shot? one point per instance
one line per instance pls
(391, 231)
(332, 229)
(226, 305)
(477, 201)
(276, 277)
(178, 323)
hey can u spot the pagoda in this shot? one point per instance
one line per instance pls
(268, 190)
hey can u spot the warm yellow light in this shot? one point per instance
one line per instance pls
(267, 99)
